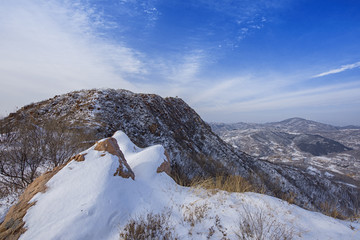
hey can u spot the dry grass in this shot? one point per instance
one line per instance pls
(355, 216)
(259, 225)
(153, 226)
(194, 214)
(331, 210)
(231, 183)
(289, 197)
(13, 224)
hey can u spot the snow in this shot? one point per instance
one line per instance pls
(329, 175)
(85, 201)
(6, 203)
(313, 170)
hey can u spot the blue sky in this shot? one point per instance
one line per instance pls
(251, 60)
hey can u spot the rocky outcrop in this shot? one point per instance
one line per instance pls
(78, 157)
(165, 166)
(110, 145)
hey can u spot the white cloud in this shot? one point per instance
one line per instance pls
(177, 69)
(188, 67)
(52, 47)
(333, 95)
(49, 48)
(338, 70)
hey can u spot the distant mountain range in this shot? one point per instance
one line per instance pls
(193, 148)
(292, 124)
(298, 142)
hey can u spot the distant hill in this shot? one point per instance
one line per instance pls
(301, 125)
(299, 142)
(290, 125)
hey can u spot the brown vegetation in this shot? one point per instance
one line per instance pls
(153, 226)
(260, 225)
(232, 183)
(13, 225)
(331, 210)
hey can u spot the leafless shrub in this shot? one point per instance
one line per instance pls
(289, 197)
(20, 156)
(259, 225)
(61, 141)
(330, 209)
(153, 226)
(26, 150)
(221, 228)
(211, 232)
(194, 214)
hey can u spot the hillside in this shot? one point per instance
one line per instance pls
(194, 150)
(298, 142)
(115, 187)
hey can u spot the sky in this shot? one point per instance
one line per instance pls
(232, 61)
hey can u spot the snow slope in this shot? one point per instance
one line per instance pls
(84, 200)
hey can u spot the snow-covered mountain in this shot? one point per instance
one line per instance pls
(193, 148)
(116, 190)
(296, 124)
(298, 142)
(301, 125)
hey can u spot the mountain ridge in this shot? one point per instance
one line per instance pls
(283, 123)
(193, 148)
(84, 199)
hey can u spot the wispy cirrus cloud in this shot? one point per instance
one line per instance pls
(243, 18)
(339, 70)
(52, 47)
(320, 102)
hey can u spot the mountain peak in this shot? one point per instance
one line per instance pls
(297, 124)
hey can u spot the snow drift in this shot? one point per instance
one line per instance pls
(97, 193)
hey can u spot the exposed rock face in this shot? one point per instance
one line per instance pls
(194, 150)
(110, 145)
(78, 157)
(165, 166)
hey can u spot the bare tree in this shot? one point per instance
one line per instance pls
(26, 149)
(61, 141)
(20, 155)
